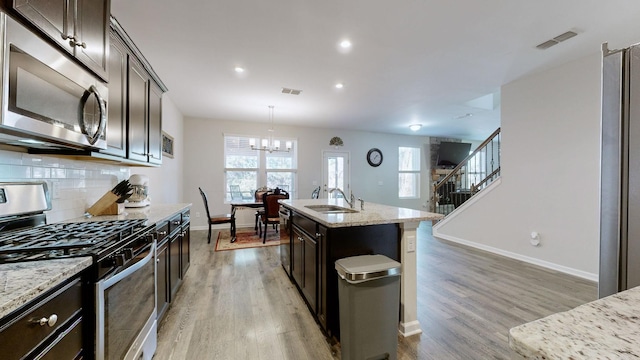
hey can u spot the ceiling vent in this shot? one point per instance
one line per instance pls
(291, 91)
(556, 40)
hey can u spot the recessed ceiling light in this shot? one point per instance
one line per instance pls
(239, 69)
(415, 127)
(345, 44)
(339, 85)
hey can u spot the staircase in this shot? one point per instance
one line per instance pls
(452, 187)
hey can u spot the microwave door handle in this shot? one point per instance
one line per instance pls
(102, 122)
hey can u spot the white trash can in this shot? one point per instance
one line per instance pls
(369, 296)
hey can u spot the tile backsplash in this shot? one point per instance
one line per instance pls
(74, 185)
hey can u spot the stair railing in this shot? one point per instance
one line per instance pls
(471, 175)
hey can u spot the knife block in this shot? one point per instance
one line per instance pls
(114, 209)
(103, 204)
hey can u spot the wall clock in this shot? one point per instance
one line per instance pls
(374, 157)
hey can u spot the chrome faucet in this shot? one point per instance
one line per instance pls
(351, 203)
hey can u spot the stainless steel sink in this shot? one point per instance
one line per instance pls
(330, 209)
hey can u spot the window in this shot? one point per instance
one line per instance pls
(409, 173)
(250, 169)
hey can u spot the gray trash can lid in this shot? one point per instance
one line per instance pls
(357, 269)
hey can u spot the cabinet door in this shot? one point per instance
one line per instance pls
(310, 271)
(297, 253)
(91, 30)
(137, 99)
(185, 251)
(162, 285)
(174, 265)
(116, 106)
(155, 124)
(321, 238)
(52, 17)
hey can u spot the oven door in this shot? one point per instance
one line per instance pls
(126, 310)
(47, 96)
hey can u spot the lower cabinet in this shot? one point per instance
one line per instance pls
(305, 255)
(25, 336)
(173, 259)
(162, 274)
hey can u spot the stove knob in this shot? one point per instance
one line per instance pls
(128, 253)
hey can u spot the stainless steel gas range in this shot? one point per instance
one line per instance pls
(121, 280)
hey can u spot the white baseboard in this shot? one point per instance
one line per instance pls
(545, 264)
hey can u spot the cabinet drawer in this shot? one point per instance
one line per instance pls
(162, 231)
(175, 223)
(24, 333)
(67, 345)
(186, 216)
(307, 225)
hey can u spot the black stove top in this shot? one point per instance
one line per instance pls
(61, 240)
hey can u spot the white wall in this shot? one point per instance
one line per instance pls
(204, 165)
(550, 173)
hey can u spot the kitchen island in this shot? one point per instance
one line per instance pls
(608, 328)
(319, 238)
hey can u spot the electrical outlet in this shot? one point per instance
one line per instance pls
(197, 214)
(411, 244)
(55, 190)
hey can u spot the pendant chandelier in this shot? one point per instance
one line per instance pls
(269, 144)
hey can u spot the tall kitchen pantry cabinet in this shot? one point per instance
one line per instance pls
(134, 130)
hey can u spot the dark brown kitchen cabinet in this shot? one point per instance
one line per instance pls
(116, 106)
(137, 100)
(162, 270)
(155, 124)
(29, 337)
(134, 129)
(175, 272)
(80, 27)
(185, 252)
(315, 249)
(305, 264)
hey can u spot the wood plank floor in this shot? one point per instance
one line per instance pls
(240, 305)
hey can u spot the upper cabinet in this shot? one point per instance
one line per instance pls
(79, 26)
(135, 103)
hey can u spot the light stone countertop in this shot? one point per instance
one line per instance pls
(607, 328)
(24, 281)
(154, 213)
(373, 214)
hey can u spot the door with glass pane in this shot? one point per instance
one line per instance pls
(335, 173)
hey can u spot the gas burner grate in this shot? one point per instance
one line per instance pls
(62, 240)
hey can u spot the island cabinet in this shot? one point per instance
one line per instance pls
(80, 27)
(316, 248)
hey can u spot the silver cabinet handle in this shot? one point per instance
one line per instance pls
(162, 233)
(300, 238)
(51, 320)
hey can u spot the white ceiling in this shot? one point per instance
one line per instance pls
(412, 61)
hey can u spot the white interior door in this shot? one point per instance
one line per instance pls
(335, 173)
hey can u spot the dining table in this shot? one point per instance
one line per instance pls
(248, 204)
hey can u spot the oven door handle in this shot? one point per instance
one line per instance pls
(129, 270)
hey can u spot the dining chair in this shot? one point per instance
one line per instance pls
(237, 194)
(220, 218)
(257, 196)
(316, 193)
(271, 212)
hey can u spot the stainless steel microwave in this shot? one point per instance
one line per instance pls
(48, 99)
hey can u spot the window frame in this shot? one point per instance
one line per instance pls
(417, 173)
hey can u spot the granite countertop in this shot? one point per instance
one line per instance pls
(608, 328)
(154, 213)
(22, 282)
(373, 214)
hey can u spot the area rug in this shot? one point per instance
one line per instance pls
(247, 238)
